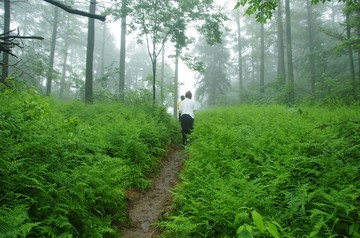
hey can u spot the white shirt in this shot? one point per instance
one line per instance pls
(187, 106)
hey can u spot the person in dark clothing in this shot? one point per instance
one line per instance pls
(187, 108)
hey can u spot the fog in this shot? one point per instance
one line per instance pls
(225, 56)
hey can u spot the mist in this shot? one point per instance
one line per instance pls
(302, 53)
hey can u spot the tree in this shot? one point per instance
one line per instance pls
(153, 20)
(213, 82)
(263, 10)
(350, 50)
(290, 73)
(5, 63)
(52, 52)
(310, 21)
(90, 55)
(124, 7)
(280, 46)
(160, 20)
(262, 58)
(239, 51)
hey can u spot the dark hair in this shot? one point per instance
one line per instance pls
(182, 97)
(188, 94)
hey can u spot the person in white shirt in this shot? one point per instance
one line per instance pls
(187, 108)
(182, 97)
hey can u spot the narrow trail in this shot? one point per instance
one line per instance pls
(146, 208)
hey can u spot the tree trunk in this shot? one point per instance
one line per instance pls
(176, 82)
(262, 60)
(5, 63)
(291, 90)
(90, 55)
(52, 52)
(281, 73)
(311, 45)
(154, 61)
(162, 77)
(102, 64)
(240, 71)
(350, 52)
(122, 50)
(64, 68)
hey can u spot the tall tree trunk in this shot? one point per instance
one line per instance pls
(281, 73)
(176, 82)
(239, 45)
(122, 50)
(64, 68)
(162, 77)
(291, 92)
(350, 51)
(311, 45)
(90, 55)
(262, 60)
(52, 52)
(154, 62)
(5, 63)
(102, 64)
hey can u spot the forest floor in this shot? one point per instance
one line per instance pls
(149, 206)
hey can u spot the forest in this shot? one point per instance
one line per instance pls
(88, 108)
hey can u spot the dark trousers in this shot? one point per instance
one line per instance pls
(187, 125)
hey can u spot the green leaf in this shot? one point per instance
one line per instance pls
(258, 220)
(272, 229)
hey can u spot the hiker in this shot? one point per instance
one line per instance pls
(187, 108)
(182, 97)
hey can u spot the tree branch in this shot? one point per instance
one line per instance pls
(22, 37)
(74, 11)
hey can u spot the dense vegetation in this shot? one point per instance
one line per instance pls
(270, 171)
(65, 166)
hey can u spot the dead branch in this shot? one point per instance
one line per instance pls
(75, 11)
(22, 37)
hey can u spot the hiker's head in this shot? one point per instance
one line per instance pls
(188, 95)
(182, 97)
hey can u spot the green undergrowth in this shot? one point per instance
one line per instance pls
(65, 166)
(270, 171)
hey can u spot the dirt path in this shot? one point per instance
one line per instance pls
(148, 207)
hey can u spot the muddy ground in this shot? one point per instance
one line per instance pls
(148, 207)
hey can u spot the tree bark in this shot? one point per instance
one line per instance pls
(262, 60)
(52, 52)
(350, 52)
(239, 46)
(102, 57)
(311, 45)
(5, 63)
(176, 83)
(162, 76)
(90, 56)
(291, 90)
(122, 50)
(281, 72)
